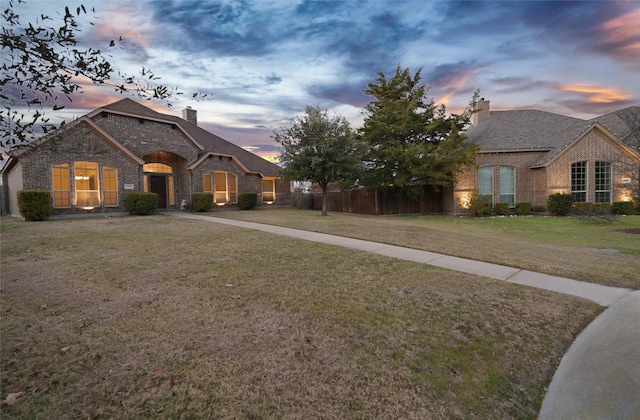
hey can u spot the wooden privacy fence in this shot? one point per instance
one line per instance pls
(376, 202)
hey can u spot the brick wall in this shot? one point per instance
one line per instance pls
(526, 188)
(78, 143)
(595, 146)
(147, 136)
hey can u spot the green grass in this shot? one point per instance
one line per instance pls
(172, 318)
(562, 246)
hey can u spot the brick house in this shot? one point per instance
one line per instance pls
(526, 155)
(92, 163)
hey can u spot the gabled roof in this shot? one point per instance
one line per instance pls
(521, 130)
(209, 142)
(82, 120)
(548, 133)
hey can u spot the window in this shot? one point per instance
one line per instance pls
(269, 190)
(61, 185)
(579, 181)
(110, 186)
(86, 184)
(223, 185)
(603, 182)
(157, 167)
(508, 185)
(485, 182)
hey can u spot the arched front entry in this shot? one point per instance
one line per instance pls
(164, 174)
(158, 178)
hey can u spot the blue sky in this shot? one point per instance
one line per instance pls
(263, 61)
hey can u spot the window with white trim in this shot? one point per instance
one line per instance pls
(485, 182)
(508, 185)
(603, 182)
(579, 181)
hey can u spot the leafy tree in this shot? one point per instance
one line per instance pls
(318, 147)
(631, 138)
(42, 66)
(410, 139)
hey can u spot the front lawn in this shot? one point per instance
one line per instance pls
(600, 253)
(138, 317)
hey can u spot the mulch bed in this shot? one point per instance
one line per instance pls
(632, 230)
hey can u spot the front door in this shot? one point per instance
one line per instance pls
(158, 185)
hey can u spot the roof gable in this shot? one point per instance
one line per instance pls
(207, 142)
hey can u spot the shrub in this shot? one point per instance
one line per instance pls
(34, 205)
(624, 207)
(524, 208)
(502, 209)
(247, 200)
(479, 205)
(592, 209)
(560, 204)
(202, 201)
(142, 203)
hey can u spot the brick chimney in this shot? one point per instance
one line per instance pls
(483, 108)
(190, 115)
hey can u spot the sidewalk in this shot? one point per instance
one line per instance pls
(599, 377)
(602, 295)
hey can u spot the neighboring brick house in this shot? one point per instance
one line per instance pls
(526, 155)
(92, 163)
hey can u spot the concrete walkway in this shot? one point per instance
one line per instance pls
(598, 378)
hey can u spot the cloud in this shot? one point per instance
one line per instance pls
(621, 38)
(595, 94)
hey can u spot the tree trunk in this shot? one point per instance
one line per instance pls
(325, 198)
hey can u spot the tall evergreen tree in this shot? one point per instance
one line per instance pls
(408, 138)
(318, 147)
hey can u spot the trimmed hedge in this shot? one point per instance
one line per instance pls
(201, 201)
(501, 209)
(560, 204)
(624, 207)
(247, 200)
(142, 203)
(524, 208)
(35, 205)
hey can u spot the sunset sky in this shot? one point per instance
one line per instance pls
(263, 61)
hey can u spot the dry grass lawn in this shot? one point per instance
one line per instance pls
(560, 246)
(138, 317)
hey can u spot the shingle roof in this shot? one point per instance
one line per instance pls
(531, 130)
(210, 141)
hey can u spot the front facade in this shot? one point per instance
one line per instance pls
(92, 163)
(527, 155)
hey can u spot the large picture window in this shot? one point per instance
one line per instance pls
(223, 186)
(603, 182)
(61, 186)
(485, 182)
(79, 184)
(508, 185)
(86, 184)
(579, 181)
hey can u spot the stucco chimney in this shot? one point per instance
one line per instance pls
(190, 115)
(483, 108)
